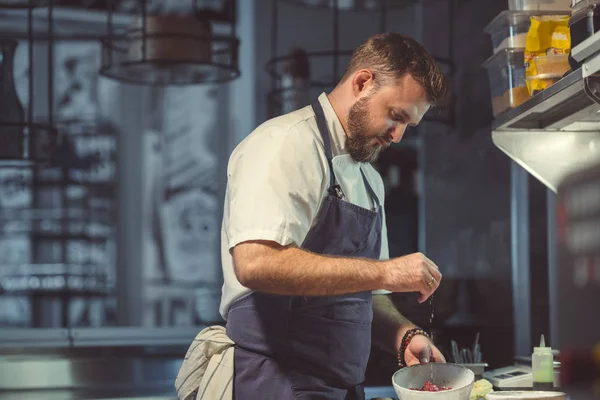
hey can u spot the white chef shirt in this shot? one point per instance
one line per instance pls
(277, 178)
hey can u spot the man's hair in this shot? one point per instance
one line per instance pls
(393, 55)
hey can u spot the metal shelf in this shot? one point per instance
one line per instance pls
(59, 338)
(556, 132)
(11, 338)
(559, 107)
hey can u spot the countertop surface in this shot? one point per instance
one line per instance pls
(371, 392)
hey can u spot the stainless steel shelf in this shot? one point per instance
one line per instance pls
(57, 338)
(92, 363)
(12, 338)
(134, 336)
(556, 132)
(563, 106)
(571, 104)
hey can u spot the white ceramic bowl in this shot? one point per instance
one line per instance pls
(459, 378)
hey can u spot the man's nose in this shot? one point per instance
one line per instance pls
(398, 132)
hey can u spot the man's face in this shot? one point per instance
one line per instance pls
(381, 116)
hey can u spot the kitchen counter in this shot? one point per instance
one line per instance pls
(141, 394)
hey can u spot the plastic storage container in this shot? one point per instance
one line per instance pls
(542, 365)
(550, 69)
(540, 5)
(506, 73)
(509, 29)
(552, 66)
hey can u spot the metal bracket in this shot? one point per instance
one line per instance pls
(591, 66)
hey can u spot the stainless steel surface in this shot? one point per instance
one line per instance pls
(587, 48)
(53, 372)
(520, 259)
(591, 67)
(105, 363)
(557, 131)
(38, 338)
(71, 376)
(477, 368)
(134, 336)
(91, 363)
(96, 337)
(550, 155)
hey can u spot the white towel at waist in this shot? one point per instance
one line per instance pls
(207, 368)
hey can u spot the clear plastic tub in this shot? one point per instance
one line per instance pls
(540, 5)
(509, 29)
(552, 66)
(506, 73)
(543, 81)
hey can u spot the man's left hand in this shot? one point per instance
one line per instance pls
(420, 350)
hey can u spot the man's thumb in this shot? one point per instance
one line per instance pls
(424, 355)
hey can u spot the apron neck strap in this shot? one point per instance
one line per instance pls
(324, 131)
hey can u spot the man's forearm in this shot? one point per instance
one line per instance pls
(389, 325)
(292, 271)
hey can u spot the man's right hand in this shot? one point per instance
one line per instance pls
(412, 273)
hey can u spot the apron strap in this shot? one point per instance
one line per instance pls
(324, 131)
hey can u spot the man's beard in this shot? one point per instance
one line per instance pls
(358, 144)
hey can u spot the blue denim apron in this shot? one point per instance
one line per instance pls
(311, 347)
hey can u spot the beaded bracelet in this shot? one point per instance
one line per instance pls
(406, 341)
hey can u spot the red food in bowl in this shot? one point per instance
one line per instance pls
(430, 387)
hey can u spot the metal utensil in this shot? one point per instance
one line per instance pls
(475, 345)
(470, 358)
(455, 352)
(477, 354)
(464, 356)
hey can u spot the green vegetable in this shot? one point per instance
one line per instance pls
(480, 389)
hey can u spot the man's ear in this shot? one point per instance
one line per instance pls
(362, 82)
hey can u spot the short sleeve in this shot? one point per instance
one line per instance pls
(275, 186)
